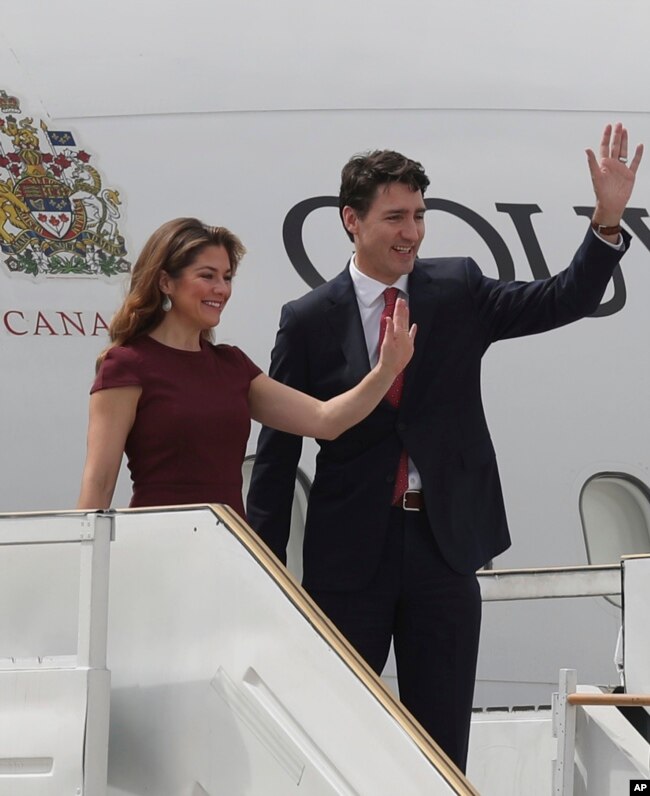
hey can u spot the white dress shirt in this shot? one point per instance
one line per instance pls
(370, 298)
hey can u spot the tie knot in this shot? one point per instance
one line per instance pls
(390, 298)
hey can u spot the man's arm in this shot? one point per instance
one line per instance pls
(513, 309)
(270, 496)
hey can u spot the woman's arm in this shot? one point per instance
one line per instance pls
(111, 417)
(286, 409)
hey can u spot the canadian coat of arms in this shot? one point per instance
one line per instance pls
(55, 215)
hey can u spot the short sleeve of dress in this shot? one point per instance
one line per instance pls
(121, 368)
(247, 364)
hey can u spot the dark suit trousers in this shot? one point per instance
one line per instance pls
(434, 616)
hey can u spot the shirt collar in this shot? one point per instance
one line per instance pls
(369, 290)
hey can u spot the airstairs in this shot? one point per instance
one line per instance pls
(199, 666)
(203, 662)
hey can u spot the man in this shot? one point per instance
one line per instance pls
(383, 562)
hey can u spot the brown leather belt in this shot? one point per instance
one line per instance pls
(411, 500)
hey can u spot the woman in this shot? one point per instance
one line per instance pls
(179, 406)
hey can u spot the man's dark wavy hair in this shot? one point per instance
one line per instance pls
(365, 172)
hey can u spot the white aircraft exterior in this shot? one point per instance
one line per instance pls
(240, 112)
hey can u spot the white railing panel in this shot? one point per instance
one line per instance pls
(550, 582)
(222, 685)
(636, 640)
(609, 751)
(41, 736)
(54, 686)
(39, 600)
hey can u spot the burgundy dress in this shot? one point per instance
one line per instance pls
(192, 422)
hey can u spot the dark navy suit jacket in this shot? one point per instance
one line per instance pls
(320, 349)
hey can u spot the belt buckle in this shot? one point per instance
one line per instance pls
(410, 492)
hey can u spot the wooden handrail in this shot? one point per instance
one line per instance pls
(618, 700)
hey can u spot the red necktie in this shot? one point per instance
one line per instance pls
(394, 394)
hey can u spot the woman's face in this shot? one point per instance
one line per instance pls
(199, 294)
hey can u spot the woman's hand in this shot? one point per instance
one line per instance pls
(285, 409)
(397, 347)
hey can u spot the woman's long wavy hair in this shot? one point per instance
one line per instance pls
(171, 248)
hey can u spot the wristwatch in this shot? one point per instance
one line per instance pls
(602, 230)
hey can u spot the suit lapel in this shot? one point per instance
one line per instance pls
(346, 327)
